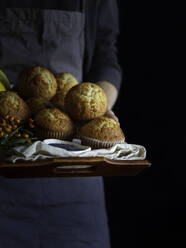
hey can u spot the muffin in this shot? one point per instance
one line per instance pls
(102, 132)
(65, 81)
(53, 123)
(36, 81)
(37, 103)
(85, 102)
(13, 105)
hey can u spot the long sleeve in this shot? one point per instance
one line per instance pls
(104, 64)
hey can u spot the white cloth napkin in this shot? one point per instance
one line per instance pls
(40, 150)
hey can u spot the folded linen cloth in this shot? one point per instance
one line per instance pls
(40, 150)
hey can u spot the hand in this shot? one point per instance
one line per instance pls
(110, 91)
(110, 114)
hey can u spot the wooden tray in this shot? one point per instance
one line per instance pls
(82, 167)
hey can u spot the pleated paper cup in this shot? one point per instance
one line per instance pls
(98, 144)
(47, 134)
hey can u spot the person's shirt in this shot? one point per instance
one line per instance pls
(101, 31)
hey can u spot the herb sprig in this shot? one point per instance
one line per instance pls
(13, 132)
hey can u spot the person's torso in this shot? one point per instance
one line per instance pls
(54, 39)
(51, 38)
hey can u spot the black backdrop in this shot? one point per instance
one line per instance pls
(149, 209)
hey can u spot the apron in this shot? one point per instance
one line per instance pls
(48, 212)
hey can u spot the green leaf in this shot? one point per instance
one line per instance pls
(14, 132)
(4, 80)
(19, 141)
(27, 131)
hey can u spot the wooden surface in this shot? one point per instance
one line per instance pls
(72, 167)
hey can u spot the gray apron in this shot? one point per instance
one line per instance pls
(48, 212)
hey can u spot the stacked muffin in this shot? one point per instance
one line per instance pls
(11, 104)
(102, 132)
(53, 123)
(62, 108)
(36, 81)
(86, 103)
(34, 95)
(65, 81)
(38, 103)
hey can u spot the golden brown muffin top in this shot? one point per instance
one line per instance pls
(103, 129)
(12, 104)
(65, 81)
(37, 103)
(36, 81)
(54, 120)
(86, 101)
(58, 100)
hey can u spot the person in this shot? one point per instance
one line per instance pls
(79, 37)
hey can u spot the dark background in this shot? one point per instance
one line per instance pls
(149, 209)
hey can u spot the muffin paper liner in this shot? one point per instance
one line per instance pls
(46, 134)
(97, 144)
